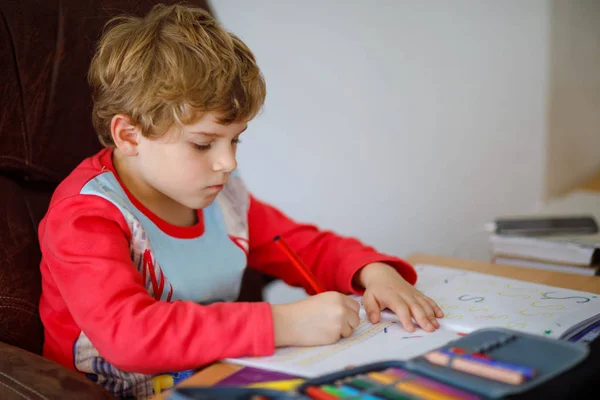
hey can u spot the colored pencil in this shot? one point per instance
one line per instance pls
(387, 392)
(287, 384)
(386, 379)
(527, 372)
(298, 264)
(475, 368)
(409, 386)
(424, 391)
(334, 390)
(442, 387)
(318, 394)
(348, 391)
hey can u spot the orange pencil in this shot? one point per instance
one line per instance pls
(298, 263)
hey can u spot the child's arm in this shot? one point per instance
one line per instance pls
(333, 259)
(85, 242)
(338, 263)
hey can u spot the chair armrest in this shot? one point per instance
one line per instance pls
(25, 375)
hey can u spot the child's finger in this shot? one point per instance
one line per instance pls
(346, 330)
(353, 320)
(436, 309)
(372, 308)
(402, 310)
(352, 304)
(429, 311)
(420, 314)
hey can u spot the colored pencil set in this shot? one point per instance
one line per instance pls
(391, 383)
(527, 358)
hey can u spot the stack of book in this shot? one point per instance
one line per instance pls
(579, 254)
(572, 254)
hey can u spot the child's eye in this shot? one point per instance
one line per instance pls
(202, 146)
(209, 145)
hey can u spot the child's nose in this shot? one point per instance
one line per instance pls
(225, 161)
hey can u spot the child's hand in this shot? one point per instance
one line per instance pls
(385, 288)
(318, 320)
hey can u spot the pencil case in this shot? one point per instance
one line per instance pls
(419, 378)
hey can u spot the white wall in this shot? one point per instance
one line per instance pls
(574, 95)
(407, 124)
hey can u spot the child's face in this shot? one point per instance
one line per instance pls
(190, 165)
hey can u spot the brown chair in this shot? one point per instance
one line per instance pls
(45, 131)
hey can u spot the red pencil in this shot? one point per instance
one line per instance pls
(318, 394)
(298, 263)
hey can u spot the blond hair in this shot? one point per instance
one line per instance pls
(171, 65)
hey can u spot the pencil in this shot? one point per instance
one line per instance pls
(319, 394)
(476, 368)
(442, 387)
(527, 372)
(298, 264)
(284, 385)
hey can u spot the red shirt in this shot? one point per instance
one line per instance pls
(119, 284)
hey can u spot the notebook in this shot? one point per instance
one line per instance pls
(470, 301)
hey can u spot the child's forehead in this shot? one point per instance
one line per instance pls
(208, 123)
(211, 119)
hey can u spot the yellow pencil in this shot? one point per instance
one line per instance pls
(424, 391)
(410, 386)
(283, 385)
(386, 379)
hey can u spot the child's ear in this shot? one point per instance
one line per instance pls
(125, 134)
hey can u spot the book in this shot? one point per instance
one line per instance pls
(572, 250)
(578, 250)
(589, 270)
(470, 301)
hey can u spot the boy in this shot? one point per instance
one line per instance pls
(144, 244)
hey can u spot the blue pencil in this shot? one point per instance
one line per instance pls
(356, 394)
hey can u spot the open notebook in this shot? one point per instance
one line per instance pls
(470, 301)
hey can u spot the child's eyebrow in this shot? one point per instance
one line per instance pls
(214, 134)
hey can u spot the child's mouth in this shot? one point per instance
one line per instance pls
(215, 188)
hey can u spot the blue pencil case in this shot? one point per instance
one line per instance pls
(418, 378)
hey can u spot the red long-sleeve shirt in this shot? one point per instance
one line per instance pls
(126, 295)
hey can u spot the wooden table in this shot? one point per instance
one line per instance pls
(220, 370)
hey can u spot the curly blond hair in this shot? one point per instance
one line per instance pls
(170, 66)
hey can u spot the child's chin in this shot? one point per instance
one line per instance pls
(197, 204)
